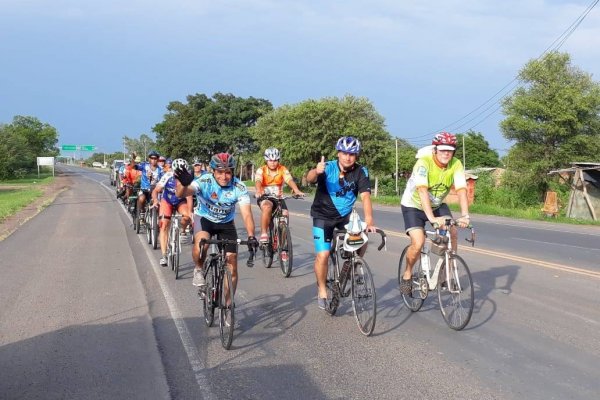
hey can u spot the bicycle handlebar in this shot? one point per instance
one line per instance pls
(280, 198)
(381, 233)
(224, 242)
(452, 222)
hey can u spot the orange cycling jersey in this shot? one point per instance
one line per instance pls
(131, 175)
(272, 181)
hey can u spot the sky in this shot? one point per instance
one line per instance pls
(99, 70)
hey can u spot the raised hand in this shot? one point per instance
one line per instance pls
(183, 176)
(321, 166)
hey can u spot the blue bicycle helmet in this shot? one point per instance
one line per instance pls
(153, 153)
(348, 144)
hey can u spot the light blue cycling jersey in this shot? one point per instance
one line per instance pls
(217, 203)
(147, 183)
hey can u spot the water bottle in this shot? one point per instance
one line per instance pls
(425, 256)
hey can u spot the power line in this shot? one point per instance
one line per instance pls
(554, 46)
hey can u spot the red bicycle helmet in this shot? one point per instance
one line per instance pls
(222, 161)
(444, 141)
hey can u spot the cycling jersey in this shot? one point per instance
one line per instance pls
(167, 182)
(272, 181)
(130, 175)
(438, 181)
(145, 167)
(337, 192)
(217, 203)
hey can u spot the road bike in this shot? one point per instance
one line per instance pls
(217, 294)
(151, 222)
(174, 244)
(280, 237)
(355, 270)
(451, 277)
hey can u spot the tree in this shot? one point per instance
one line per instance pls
(141, 146)
(22, 141)
(205, 126)
(554, 118)
(477, 150)
(306, 131)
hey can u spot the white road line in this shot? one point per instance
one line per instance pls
(555, 244)
(194, 358)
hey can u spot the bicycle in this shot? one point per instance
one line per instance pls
(174, 244)
(344, 246)
(280, 237)
(151, 223)
(217, 293)
(451, 277)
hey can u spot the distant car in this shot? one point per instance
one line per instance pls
(97, 164)
(114, 171)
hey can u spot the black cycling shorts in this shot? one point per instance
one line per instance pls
(221, 231)
(416, 219)
(323, 231)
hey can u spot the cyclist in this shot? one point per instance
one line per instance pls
(151, 174)
(339, 182)
(168, 167)
(422, 201)
(131, 176)
(119, 182)
(167, 203)
(217, 195)
(269, 180)
(161, 162)
(198, 170)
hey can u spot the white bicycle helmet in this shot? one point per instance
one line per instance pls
(179, 163)
(272, 154)
(348, 144)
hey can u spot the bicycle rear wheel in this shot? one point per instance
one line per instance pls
(333, 287)
(209, 296)
(455, 293)
(286, 254)
(176, 251)
(226, 312)
(414, 301)
(364, 298)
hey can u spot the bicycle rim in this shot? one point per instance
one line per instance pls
(154, 222)
(364, 297)
(414, 301)
(209, 299)
(268, 250)
(333, 287)
(226, 313)
(138, 220)
(176, 251)
(285, 245)
(170, 263)
(455, 293)
(147, 221)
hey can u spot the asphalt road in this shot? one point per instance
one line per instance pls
(86, 312)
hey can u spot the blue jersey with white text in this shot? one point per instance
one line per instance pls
(337, 191)
(148, 182)
(217, 203)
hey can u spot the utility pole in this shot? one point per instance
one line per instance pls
(464, 153)
(396, 175)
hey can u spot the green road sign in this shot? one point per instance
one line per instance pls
(87, 147)
(70, 147)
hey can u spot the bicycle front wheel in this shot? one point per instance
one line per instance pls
(413, 301)
(209, 295)
(364, 299)
(455, 293)
(226, 309)
(147, 222)
(285, 250)
(154, 224)
(176, 251)
(333, 287)
(137, 223)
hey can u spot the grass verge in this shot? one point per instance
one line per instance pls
(12, 200)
